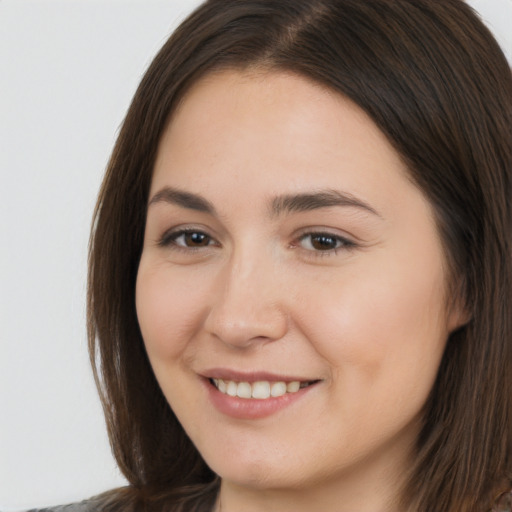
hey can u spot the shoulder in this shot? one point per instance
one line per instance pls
(92, 505)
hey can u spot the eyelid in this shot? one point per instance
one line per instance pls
(347, 243)
(168, 237)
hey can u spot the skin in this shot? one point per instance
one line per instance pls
(364, 312)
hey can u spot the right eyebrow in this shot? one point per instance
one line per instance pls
(184, 199)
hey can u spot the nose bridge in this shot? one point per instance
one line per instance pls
(248, 305)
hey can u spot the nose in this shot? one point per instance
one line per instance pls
(248, 306)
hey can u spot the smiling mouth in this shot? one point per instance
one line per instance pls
(260, 390)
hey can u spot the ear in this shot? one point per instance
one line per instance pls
(459, 315)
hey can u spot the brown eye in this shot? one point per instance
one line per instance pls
(196, 239)
(320, 242)
(187, 240)
(324, 242)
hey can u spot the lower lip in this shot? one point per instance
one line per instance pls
(253, 408)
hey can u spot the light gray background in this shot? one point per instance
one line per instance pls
(68, 70)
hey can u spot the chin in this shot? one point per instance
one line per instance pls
(251, 469)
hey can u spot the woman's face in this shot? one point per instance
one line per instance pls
(287, 253)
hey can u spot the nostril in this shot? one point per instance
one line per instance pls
(242, 326)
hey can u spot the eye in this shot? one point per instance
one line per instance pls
(188, 239)
(324, 242)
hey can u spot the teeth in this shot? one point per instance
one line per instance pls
(243, 390)
(231, 388)
(259, 390)
(278, 389)
(221, 385)
(293, 387)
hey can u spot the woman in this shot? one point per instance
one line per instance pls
(300, 272)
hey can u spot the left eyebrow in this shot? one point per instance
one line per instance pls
(313, 201)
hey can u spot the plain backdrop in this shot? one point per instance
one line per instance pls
(68, 70)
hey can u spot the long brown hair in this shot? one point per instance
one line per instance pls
(434, 80)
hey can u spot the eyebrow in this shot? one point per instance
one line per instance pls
(183, 199)
(279, 205)
(313, 201)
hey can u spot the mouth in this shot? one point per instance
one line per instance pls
(255, 395)
(259, 390)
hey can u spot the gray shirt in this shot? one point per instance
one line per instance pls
(91, 505)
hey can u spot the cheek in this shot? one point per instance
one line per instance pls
(383, 330)
(168, 310)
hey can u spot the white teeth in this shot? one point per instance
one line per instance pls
(244, 390)
(259, 390)
(221, 385)
(231, 388)
(278, 389)
(293, 387)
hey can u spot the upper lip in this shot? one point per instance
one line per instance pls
(253, 376)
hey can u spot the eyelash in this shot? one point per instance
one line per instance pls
(169, 240)
(342, 243)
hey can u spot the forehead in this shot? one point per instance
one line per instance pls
(276, 132)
